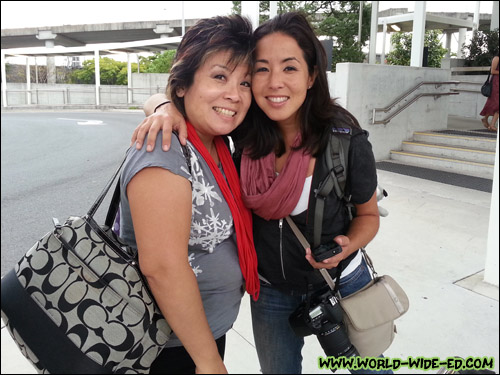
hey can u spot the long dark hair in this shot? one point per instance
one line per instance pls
(207, 37)
(318, 112)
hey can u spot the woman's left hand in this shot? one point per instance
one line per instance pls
(334, 261)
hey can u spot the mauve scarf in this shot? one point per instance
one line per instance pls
(268, 195)
(242, 217)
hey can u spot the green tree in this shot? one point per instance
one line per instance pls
(109, 72)
(340, 21)
(85, 75)
(335, 19)
(159, 62)
(112, 72)
(482, 48)
(401, 54)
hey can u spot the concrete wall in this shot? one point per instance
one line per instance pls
(143, 86)
(362, 87)
(64, 94)
(470, 101)
(146, 84)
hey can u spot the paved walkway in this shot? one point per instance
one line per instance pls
(434, 244)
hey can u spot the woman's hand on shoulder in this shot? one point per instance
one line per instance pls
(167, 119)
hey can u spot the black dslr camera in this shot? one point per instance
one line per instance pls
(323, 317)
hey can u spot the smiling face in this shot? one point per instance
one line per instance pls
(220, 96)
(281, 78)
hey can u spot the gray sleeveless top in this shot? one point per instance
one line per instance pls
(212, 249)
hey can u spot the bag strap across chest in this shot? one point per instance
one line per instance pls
(336, 158)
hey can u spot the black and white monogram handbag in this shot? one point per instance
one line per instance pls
(78, 303)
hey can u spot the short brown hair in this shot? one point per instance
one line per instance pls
(207, 37)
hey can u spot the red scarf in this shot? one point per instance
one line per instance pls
(269, 196)
(242, 216)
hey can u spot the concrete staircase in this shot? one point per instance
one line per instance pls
(467, 152)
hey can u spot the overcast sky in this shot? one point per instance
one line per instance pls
(55, 13)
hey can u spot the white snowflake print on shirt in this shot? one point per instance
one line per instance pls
(210, 232)
(196, 269)
(207, 230)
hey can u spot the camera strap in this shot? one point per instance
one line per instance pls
(303, 241)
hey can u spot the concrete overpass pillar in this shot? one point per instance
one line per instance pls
(250, 9)
(384, 35)
(28, 81)
(449, 35)
(475, 21)
(129, 79)
(4, 81)
(51, 69)
(97, 78)
(273, 9)
(417, 41)
(494, 16)
(372, 55)
(49, 37)
(462, 33)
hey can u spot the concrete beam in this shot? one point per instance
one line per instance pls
(45, 35)
(163, 29)
(90, 48)
(250, 9)
(4, 81)
(417, 41)
(372, 55)
(475, 21)
(28, 81)
(97, 78)
(494, 16)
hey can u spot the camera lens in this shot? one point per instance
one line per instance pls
(324, 318)
(335, 342)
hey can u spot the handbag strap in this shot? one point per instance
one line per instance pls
(394, 296)
(115, 200)
(369, 262)
(116, 196)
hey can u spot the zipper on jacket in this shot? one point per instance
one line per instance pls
(281, 248)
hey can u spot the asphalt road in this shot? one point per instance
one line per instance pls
(55, 164)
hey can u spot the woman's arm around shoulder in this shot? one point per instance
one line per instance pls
(161, 115)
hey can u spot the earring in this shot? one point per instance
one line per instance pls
(309, 87)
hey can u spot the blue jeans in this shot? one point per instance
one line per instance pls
(278, 348)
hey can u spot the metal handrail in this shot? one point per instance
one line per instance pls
(465, 90)
(414, 99)
(401, 97)
(404, 95)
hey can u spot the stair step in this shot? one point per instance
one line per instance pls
(466, 153)
(469, 139)
(448, 164)
(450, 178)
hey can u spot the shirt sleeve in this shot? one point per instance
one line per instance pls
(173, 160)
(362, 173)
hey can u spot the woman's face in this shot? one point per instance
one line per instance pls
(281, 78)
(219, 98)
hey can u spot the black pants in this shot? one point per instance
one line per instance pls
(177, 360)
